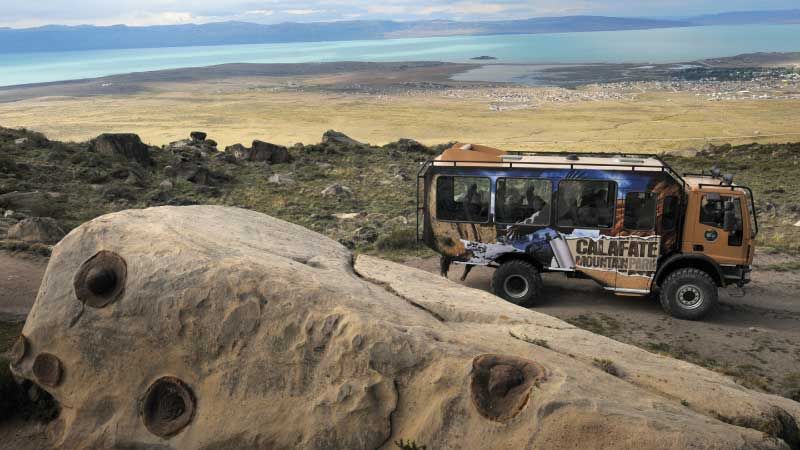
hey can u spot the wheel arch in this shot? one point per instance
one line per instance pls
(681, 261)
(515, 256)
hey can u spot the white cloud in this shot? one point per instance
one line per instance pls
(260, 12)
(303, 12)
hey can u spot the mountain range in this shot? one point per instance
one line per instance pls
(87, 37)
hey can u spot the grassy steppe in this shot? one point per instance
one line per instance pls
(235, 111)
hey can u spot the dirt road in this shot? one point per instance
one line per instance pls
(20, 276)
(755, 338)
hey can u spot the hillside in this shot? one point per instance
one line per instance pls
(361, 195)
(61, 38)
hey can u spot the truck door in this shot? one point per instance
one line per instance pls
(709, 236)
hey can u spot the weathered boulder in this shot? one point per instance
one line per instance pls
(33, 203)
(231, 329)
(339, 138)
(126, 145)
(45, 230)
(198, 136)
(271, 153)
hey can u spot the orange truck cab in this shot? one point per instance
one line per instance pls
(629, 222)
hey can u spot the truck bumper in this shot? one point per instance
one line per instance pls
(739, 275)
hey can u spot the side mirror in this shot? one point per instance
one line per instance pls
(729, 220)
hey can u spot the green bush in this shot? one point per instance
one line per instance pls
(399, 239)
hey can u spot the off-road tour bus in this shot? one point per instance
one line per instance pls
(628, 222)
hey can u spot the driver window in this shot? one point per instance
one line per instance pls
(463, 199)
(712, 213)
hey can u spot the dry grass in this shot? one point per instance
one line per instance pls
(237, 111)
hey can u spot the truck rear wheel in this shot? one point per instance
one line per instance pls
(688, 294)
(517, 281)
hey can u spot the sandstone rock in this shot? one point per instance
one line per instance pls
(126, 145)
(337, 190)
(43, 230)
(231, 329)
(338, 138)
(198, 136)
(20, 141)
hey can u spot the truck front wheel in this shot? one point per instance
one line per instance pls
(517, 281)
(688, 294)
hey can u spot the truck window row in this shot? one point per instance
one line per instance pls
(531, 201)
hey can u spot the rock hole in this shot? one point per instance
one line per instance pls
(101, 279)
(168, 407)
(501, 385)
(47, 369)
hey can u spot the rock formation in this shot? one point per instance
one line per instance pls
(126, 145)
(209, 327)
(339, 138)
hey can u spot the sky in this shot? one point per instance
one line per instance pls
(31, 13)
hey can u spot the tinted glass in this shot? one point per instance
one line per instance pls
(463, 199)
(523, 200)
(640, 210)
(669, 218)
(585, 204)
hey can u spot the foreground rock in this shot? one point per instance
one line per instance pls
(44, 230)
(231, 329)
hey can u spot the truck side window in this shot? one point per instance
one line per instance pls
(712, 213)
(712, 210)
(640, 210)
(669, 217)
(463, 199)
(523, 200)
(586, 203)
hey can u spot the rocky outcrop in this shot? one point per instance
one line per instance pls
(33, 203)
(259, 152)
(125, 145)
(339, 138)
(44, 230)
(231, 329)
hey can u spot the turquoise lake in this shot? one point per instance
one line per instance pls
(640, 46)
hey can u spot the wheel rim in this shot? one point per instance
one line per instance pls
(689, 296)
(516, 286)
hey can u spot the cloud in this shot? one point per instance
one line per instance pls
(304, 12)
(148, 12)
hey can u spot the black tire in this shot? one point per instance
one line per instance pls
(688, 294)
(517, 281)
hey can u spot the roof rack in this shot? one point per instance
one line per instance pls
(573, 164)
